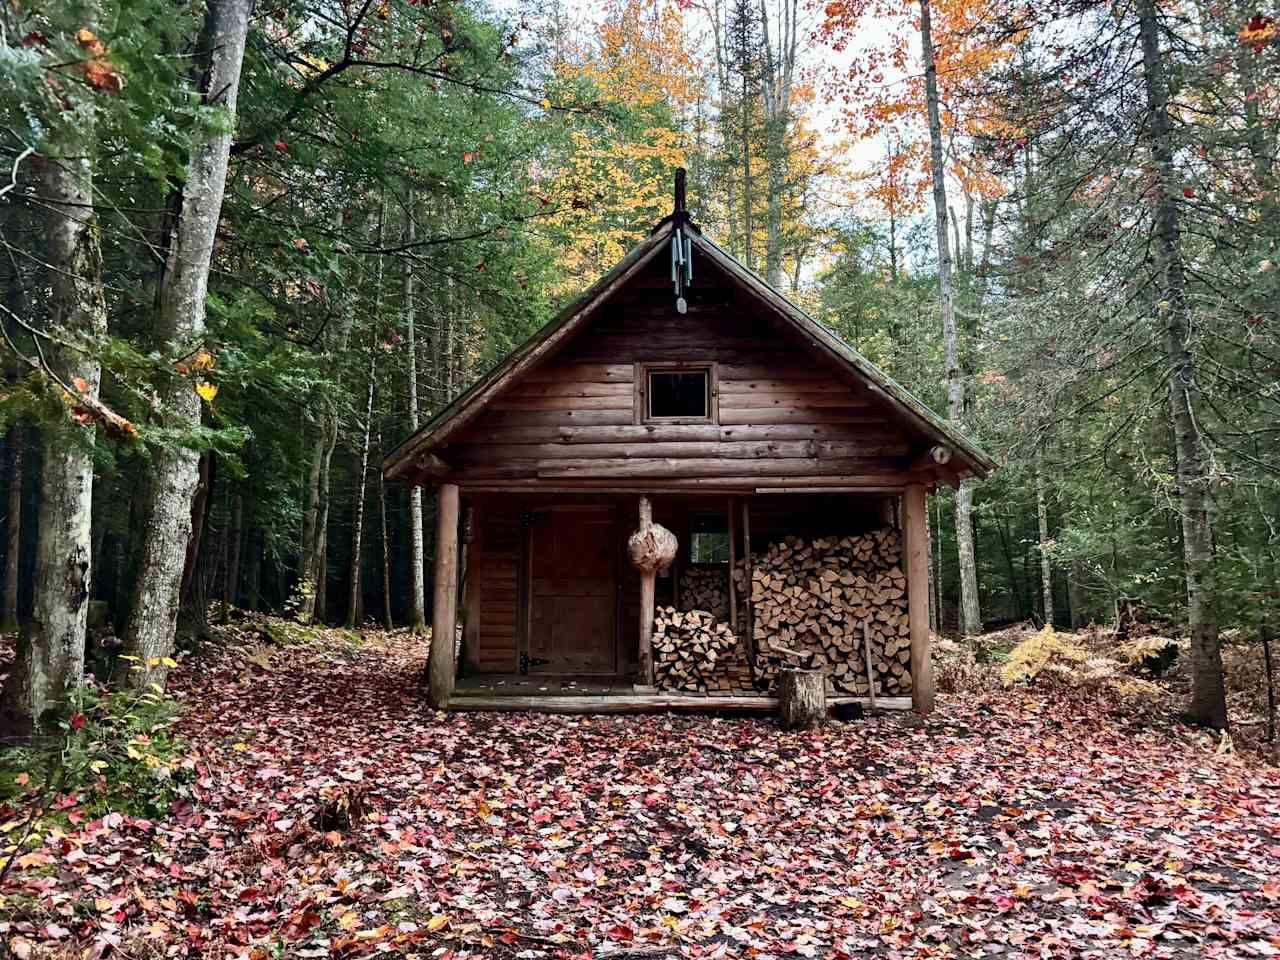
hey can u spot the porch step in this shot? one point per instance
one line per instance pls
(647, 703)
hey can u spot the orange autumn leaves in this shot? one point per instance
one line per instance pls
(97, 68)
(883, 92)
(86, 409)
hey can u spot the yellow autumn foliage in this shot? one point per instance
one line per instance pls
(1046, 651)
(613, 188)
(1051, 654)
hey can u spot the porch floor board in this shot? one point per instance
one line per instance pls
(553, 701)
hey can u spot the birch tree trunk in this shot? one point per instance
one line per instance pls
(355, 606)
(1208, 697)
(13, 529)
(1046, 568)
(315, 521)
(970, 616)
(153, 615)
(779, 71)
(417, 580)
(50, 660)
(231, 594)
(386, 544)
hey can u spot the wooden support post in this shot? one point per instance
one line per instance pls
(733, 549)
(470, 595)
(652, 548)
(646, 627)
(917, 557)
(871, 673)
(747, 569)
(444, 612)
(646, 603)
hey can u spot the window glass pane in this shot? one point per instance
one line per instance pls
(678, 394)
(709, 548)
(708, 538)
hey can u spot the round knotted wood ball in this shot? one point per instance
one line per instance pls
(652, 550)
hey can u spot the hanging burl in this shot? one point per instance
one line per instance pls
(652, 548)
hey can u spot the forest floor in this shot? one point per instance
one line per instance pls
(329, 812)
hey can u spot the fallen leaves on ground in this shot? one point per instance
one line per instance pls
(333, 814)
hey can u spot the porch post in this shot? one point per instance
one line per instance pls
(646, 603)
(916, 550)
(444, 609)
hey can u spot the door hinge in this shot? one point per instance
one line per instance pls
(527, 661)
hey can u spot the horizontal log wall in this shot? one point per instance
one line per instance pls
(497, 567)
(784, 414)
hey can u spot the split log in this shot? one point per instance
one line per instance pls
(809, 603)
(802, 698)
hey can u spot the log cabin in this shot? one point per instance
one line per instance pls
(682, 395)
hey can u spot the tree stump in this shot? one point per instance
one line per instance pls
(802, 698)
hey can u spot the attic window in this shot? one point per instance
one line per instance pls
(683, 394)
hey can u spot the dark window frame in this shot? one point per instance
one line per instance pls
(642, 373)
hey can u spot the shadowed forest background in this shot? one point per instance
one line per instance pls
(1055, 224)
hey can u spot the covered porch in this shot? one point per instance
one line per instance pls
(554, 619)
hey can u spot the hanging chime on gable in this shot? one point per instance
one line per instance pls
(681, 245)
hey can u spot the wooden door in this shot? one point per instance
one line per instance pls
(572, 591)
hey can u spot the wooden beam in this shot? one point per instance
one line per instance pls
(444, 614)
(470, 593)
(645, 703)
(935, 456)
(646, 603)
(733, 549)
(917, 562)
(749, 568)
(429, 465)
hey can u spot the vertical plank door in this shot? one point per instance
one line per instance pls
(573, 592)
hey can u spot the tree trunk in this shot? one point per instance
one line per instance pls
(1046, 568)
(1208, 696)
(970, 616)
(386, 544)
(231, 593)
(748, 228)
(253, 586)
(50, 661)
(417, 579)
(149, 632)
(779, 70)
(802, 698)
(13, 530)
(199, 513)
(355, 605)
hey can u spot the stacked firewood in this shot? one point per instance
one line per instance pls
(811, 599)
(690, 650)
(705, 588)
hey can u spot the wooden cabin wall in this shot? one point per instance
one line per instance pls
(782, 413)
(496, 569)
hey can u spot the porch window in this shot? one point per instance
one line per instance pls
(708, 538)
(678, 394)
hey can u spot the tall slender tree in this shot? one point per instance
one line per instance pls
(195, 208)
(50, 660)
(1195, 479)
(970, 615)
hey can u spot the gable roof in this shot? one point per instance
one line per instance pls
(542, 344)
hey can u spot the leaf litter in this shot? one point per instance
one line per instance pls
(333, 814)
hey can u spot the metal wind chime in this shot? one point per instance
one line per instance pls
(681, 245)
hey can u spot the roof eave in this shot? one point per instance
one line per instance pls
(467, 404)
(979, 462)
